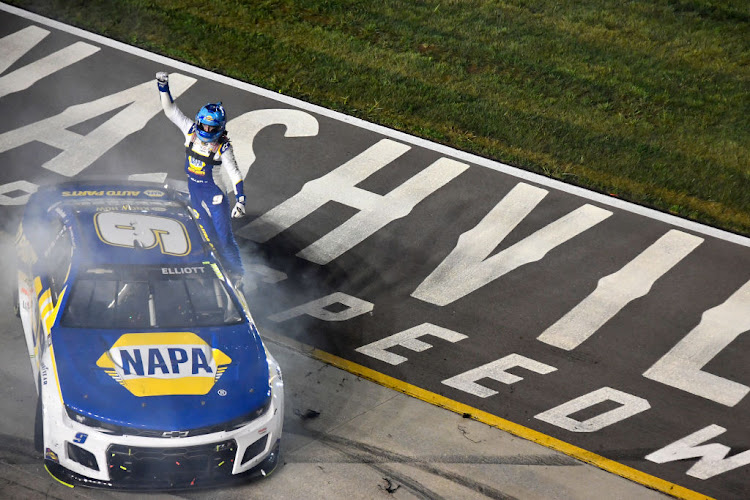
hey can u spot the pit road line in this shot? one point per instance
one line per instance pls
(550, 442)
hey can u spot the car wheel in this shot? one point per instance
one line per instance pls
(39, 424)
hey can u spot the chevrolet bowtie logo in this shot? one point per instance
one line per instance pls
(175, 434)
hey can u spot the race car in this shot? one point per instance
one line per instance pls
(150, 371)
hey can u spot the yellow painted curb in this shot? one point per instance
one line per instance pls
(507, 426)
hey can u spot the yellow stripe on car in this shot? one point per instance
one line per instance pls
(56, 479)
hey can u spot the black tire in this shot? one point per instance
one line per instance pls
(39, 424)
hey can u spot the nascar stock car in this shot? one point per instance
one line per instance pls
(150, 371)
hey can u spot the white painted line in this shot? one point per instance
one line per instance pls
(469, 266)
(682, 367)
(496, 370)
(25, 77)
(17, 44)
(439, 148)
(408, 339)
(617, 290)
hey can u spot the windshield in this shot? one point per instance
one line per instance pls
(146, 297)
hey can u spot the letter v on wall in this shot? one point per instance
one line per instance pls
(468, 267)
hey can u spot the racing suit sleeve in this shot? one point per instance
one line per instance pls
(229, 164)
(174, 113)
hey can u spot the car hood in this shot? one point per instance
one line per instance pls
(175, 380)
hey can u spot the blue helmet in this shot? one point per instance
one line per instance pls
(210, 122)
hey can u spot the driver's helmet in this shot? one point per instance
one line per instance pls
(210, 122)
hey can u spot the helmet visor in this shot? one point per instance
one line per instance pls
(207, 128)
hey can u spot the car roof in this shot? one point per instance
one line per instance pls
(133, 223)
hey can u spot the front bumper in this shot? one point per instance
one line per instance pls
(173, 470)
(82, 455)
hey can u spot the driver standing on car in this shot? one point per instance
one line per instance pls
(207, 146)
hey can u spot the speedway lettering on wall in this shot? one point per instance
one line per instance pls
(471, 265)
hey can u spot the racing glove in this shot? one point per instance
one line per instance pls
(162, 81)
(239, 208)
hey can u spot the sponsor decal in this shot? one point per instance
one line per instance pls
(111, 192)
(130, 207)
(154, 193)
(196, 166)
(51, 455)
(183, 270)
(161, 364)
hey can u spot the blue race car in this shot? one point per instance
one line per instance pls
(149, 368)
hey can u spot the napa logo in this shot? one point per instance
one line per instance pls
(162, 364)
(196, 166)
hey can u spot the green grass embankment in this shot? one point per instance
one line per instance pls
(645, 100)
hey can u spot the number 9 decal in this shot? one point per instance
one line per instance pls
(80, 438)
(124, 229)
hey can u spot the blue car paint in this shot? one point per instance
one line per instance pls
(88, 389)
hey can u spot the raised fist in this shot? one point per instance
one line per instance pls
(162, 80)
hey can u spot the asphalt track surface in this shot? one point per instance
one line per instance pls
(605, 330)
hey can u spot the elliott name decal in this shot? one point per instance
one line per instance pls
(183, 270)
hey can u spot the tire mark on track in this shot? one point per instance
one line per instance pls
(374, 456)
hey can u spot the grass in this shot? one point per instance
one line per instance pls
(646, 100)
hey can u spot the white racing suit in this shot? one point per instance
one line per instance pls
(206, 197)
